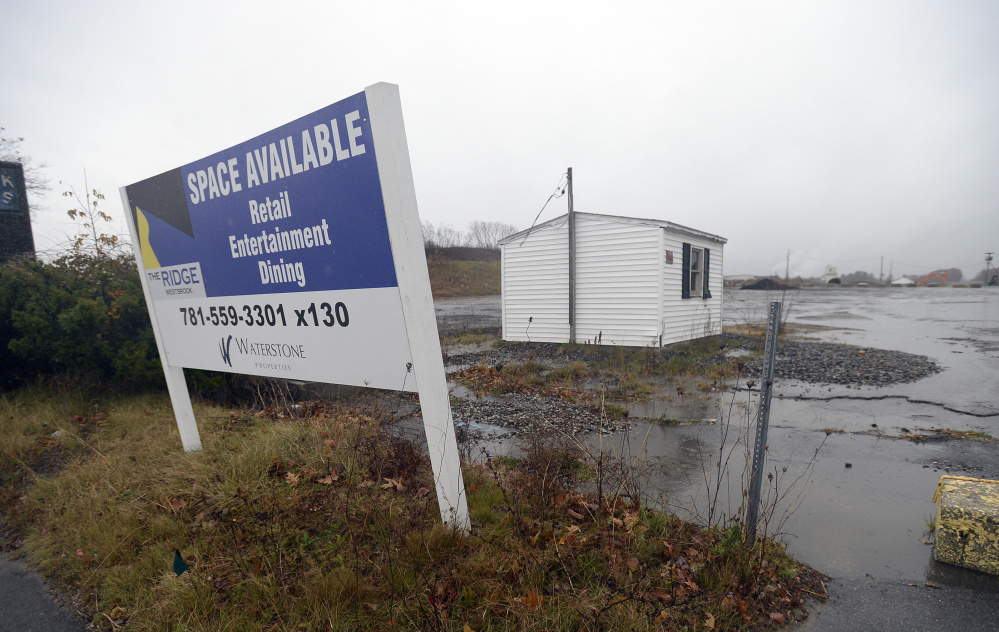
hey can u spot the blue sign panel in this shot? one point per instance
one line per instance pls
(297, 209)
(11, 187)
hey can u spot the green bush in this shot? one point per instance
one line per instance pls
(80, 317)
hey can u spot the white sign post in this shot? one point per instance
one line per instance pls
(299, 254)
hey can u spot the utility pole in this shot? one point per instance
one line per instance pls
(787, 267)
(572, 265)
(881, 274)
(988, 263)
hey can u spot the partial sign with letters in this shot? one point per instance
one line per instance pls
(273, 258)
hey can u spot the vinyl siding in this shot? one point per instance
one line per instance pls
(535, 280)
(694, 317)
(617, 282)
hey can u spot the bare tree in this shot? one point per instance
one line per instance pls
(449, 237)
(442, 236)
(35, 183)
(488, 234)
(479, 235)
(429, 235)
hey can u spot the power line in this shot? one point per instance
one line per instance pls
(559, 192)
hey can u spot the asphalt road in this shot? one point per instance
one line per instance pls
(26, 604)
(864, 605)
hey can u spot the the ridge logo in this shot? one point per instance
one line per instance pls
(224, 349)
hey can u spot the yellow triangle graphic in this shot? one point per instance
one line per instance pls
(148, 256)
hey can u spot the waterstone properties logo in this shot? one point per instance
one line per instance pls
(246, 347)
(224, 348)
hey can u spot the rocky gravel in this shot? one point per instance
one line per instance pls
(805, 361)
(548, 354)
(519, 414)
(827, 363)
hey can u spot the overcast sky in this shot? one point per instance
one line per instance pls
(843, 131)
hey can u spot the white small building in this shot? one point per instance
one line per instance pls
(903, 282)
(638, 282)
(830, 274)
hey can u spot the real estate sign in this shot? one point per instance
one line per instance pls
(299, 254)
(273, 257)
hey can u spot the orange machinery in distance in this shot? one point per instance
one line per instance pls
(934, 275)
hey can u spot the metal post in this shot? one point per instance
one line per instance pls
(572, 265)
(763, 419)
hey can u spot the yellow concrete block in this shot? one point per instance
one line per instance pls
(967, 524)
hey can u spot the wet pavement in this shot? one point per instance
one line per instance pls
(26, 605)
(463, 315)
(866, 525)
(858, 509)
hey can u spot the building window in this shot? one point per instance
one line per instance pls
(694, 276)
(696, 271)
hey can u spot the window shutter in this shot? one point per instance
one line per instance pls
(685, 272)
(707, 267)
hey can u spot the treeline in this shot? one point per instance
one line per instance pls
(478, 235)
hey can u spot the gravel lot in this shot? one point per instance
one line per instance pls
(826, 363)
(518, 414)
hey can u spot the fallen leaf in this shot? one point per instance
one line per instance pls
(931, 585)
(467, 629)
(630, 520)
(393, 483)
(709, 621)
(423, 491)
(575, 514)
(176, 504)
(533, 600)
(327, 480)
(778, 617)
(292, 479)
(633, 564)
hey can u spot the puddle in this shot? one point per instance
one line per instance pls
(677, 410)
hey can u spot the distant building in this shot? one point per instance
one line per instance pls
(830, 274)
(638, 282)
(15, 223)
(902, 282)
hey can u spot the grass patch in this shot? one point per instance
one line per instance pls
(450, 278)
(529, 377)
(329, 522)
(968, 435)
(615, 412)
(468, 338)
